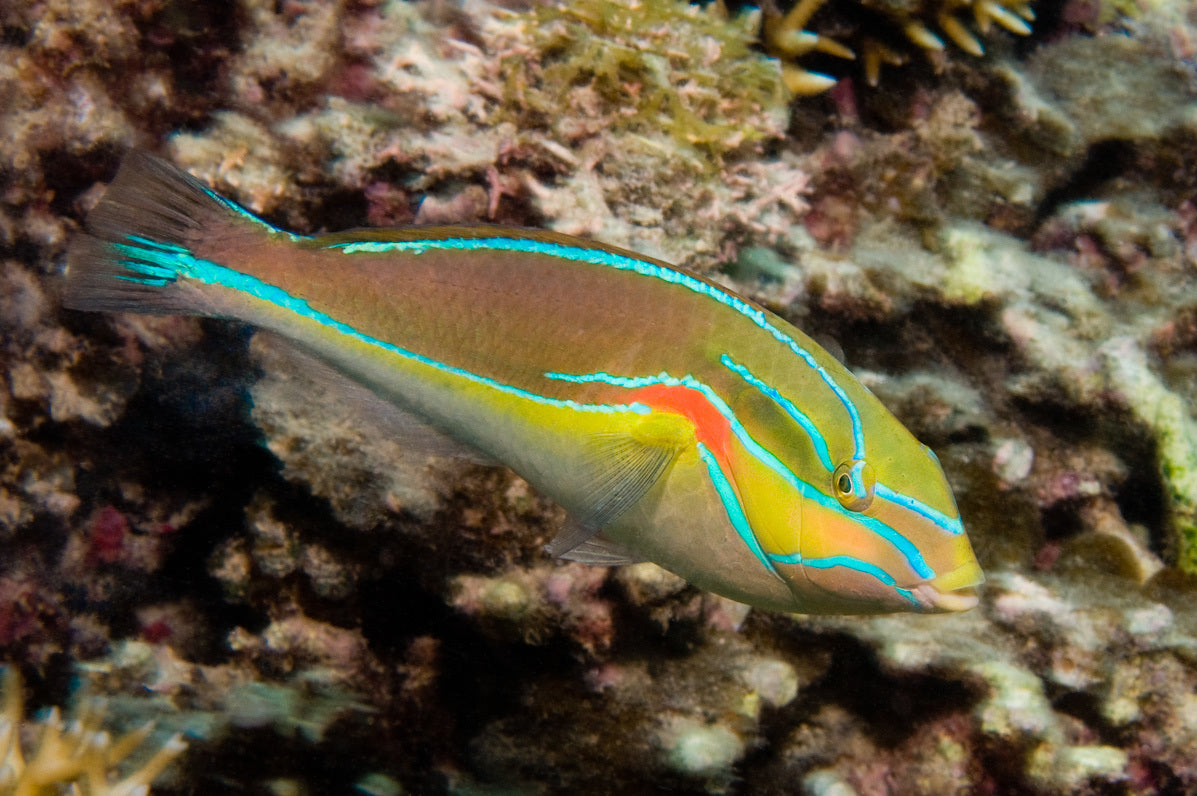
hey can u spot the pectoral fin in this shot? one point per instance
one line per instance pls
(624, 467)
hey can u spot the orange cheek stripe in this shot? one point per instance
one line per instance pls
(711, 428)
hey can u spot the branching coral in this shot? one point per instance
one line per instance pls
(75, 757)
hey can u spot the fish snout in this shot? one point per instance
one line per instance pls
(951, 591)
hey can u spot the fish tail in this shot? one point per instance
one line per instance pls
(142, 240)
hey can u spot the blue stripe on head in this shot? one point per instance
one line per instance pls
(799, 417)
(952, 525)
(848, 562)
(731, 504)
(914, 558)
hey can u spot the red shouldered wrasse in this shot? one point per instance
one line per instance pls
(675, 421)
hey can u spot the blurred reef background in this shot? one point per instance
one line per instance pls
(989, 212)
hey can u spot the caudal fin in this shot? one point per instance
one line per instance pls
(141, 240)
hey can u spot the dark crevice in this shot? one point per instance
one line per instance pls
(1061, 520)
(1142, 497)
(69, 174)
(341, 210)
(894, 704)
(1104, 161)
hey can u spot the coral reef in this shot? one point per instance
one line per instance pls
(206, 531)
(463, 116)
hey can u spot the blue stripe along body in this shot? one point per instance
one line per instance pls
(787, 484)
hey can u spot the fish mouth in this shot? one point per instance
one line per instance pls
(934, 601)
(952, 591)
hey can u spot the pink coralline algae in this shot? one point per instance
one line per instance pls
(28, 616)
(106, 535)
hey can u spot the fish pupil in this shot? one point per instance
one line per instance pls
(845, 484)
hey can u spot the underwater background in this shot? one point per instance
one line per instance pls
(988, 213)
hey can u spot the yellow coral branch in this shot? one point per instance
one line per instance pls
(79, 754)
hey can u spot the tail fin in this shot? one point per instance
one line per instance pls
(141, 239)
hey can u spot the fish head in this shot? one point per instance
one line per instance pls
(849, 509)
(882, 533)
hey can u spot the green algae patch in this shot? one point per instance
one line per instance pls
(658, 69)
(976, 272)
(1175, 433)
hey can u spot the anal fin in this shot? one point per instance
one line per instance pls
(600, 551)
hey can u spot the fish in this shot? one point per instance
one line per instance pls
(676, 421)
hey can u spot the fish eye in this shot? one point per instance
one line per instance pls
(853, 483)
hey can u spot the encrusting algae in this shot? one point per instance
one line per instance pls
(647, 68)
(76, 757)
